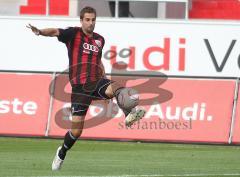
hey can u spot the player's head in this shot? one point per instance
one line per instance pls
(88, 19)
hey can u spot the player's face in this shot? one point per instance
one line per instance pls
(88, 22)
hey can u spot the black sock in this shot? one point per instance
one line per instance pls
(69, 141)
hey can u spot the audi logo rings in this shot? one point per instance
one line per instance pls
(90, 47)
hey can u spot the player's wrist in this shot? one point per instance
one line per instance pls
(39, 32)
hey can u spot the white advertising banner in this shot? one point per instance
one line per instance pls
(180, 48)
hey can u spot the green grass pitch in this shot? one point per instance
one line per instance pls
(33, 157)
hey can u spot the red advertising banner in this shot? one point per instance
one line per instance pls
(24, 104)
(236, 130)
(177, 110)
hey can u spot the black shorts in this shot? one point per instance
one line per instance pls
(83, 95)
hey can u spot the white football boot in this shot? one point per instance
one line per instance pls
(57, 162)
(134, 115)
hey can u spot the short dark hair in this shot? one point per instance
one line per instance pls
(87, 9)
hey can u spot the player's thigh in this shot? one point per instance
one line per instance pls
(106, 88)
(80, 100)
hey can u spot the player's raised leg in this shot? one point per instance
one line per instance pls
(127, 99)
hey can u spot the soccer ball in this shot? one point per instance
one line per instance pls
(128, 98)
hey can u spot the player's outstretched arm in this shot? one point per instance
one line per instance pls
(51, 32)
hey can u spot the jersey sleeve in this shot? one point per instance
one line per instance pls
(103, 42)
(66, 34)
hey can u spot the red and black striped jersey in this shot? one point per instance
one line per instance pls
(84, 54)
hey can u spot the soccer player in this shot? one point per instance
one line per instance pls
(87, 77)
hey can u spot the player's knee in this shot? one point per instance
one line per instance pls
(111, 89)
(107, 93)
(127, 98)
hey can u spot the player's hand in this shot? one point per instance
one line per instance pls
(34, 29)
